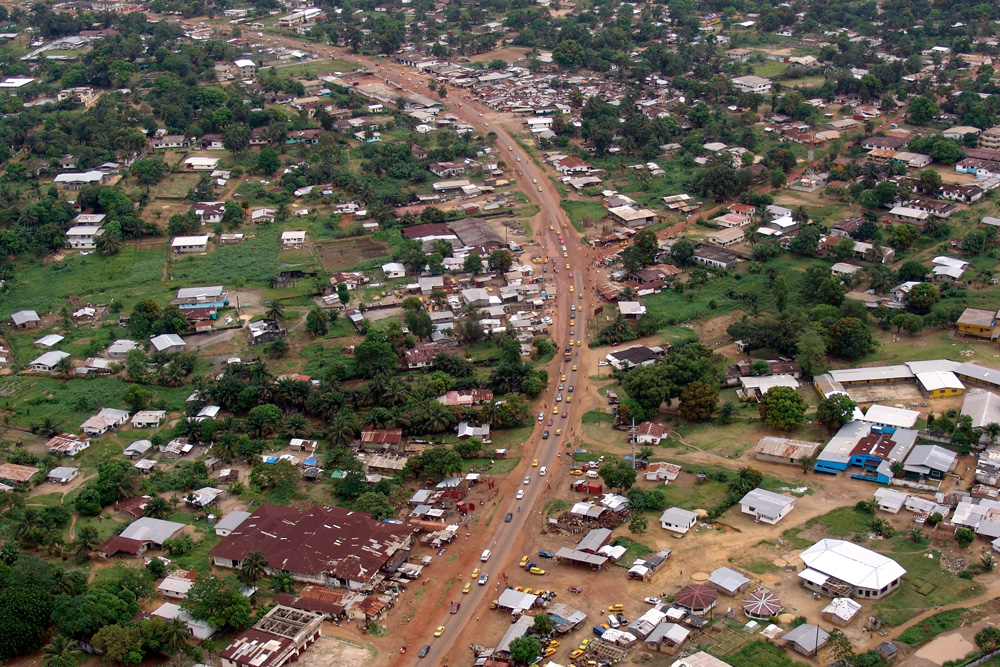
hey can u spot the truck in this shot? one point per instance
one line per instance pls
(568, 354)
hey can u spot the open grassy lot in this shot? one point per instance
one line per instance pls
(314, 68)
(935, 625)
(578, 210)
(344, 254)
(176, 186)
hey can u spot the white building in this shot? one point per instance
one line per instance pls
(394, 270)
(83, 237)
(678, 520)
(752, 84)
(766, 506)
(190, 243)
(843, 569)
(48, 361)
(62, 474)
(293, 239)
(201, 163)
(245, 68)
(168, 343)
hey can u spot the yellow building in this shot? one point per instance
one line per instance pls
(979, 323)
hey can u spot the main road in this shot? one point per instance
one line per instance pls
(551, 222)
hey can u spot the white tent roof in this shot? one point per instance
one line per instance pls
(851, 563)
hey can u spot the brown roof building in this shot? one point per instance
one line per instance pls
(15, 473)
(323, 545)
(134, 507)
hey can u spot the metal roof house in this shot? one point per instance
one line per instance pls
(766, 506)
(838, 568)
(870, 447)
(983, 406)
(728, 581)
(929, 461)
(678, 520)
(806, 639)
(155, 531)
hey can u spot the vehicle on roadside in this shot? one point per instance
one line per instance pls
(508, 518)
(651, 600)
(545, 554)
(424, 651)
(575, 589)
(486, 577)
(537, 570)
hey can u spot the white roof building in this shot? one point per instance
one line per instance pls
(890, 500)
(886, 415)
(167, 342)
(766, 506)
(840, 568)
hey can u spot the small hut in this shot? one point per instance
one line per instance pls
(697, 599)
(761, 605)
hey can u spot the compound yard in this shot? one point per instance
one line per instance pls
(345, 253)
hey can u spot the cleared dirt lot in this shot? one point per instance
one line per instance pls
(329, 651)
(345, 253)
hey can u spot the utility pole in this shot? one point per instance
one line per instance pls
(632, 438)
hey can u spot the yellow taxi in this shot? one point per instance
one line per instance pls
(569, 399)
(565, 254)
(576, 472)
(553, 643)
(524, 561)
(574, 367)
(572, 323)
(575, 654)
(548, 652)
(534, 180)
(510, 148)
(558, 432)
(617, 607)
(580, 295)
(579, 343)
(475, 574)
(439, 631)
(467, 588)
(572, 289)
(493, 605)
(536, 570)
(539, 188)
(534, 464)
(562, 378)
(555, 409)
(551, 228)
(568, 267)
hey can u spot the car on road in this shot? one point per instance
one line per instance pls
(441, 551)
(550, 422)
(545, 435)
(527, 480)
(585, 643)
(572, 332)
(467, 588)
(558, 398)
(545, 554)
(524, 561)
(561, 386)
(569, 399)
(548, 652)
(651, 600)
(574, 367)
(580, 296)
(551, 228)
(575, 654)
(508, 518)
(570, 389)
(475, 573)
(541, 416)
(534, 464)
(572, 289)
(575, 589)
(536, 570)
(439, 631)
(572, 308)
(579, 343)
(565, 414)
(558, 431)
(424, 651)
(570, 274)
(555, 409)
(517, 159)
(520, 494)
(567, 266)
(483, 579)
(510, 148)
(535, 180)
(455, 606)
(565, 254)
(539, 188)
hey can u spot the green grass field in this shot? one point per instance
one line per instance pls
(933, 626)
(578, 210)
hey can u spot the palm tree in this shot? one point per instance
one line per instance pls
(881, 278)
(343, 427)
(253, 568)
(87, 540)
(395, 393)
(175, 635)
(295, 424)
(437, 417)
(275, 311)
(191, 428)
(157, 508)
(61, 651)
(491, 413)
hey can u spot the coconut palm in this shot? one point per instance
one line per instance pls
(61, 652)
(437, 417)
(175, 635)
(396, 392)
(253, 568)
(343, 427)
(87, 541)
(157, 508)
(295, 424)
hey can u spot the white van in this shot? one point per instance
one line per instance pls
(542, 471)
(592, 474)
(613, 621)
(486, 555)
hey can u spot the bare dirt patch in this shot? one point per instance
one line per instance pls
(329, 651)
(345, 253)
(509, 54)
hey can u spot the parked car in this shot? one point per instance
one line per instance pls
(537, 570)
(541, 416)
(575, 589)
(617, 607)
(545, 554)
(651, 600)
(529, 565)
(621, 617)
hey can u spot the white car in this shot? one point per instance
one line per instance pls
(520, 494)
(527, 480)
(541, 416)
(652, 600)
(603, 363)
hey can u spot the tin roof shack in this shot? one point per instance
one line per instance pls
(11, 472)
(667, 638)
(700, 659)
(841, 611)
(806, 639)
(323, 545)
(784, 450)
(728, 581)
(277, 639)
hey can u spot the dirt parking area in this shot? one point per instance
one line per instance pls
(906, 395)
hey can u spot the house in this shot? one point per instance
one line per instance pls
(185, 244)
(25, 319)
(323, 545)
(148, 418)
(201, 163)
(134, 507)
(11, 472)
(465, 430)
(231, 522)
(393, 270)
(636, 218)
(67, 444)
(667, 638)
(806, 639)
(212, 142)
(838, 568)
(726, 237)
(154, 531)
(766, 506)
(278, 639)
(632, 310)
(700, 659)
(264, 331)
(47, 362)
(172, 141)
(784, 450)
(300, 445)
(261, 216)
(990, 139)
(203, 497)
(213, 296)
(886, 143)
(106, 420)
(873, 448)
(78, 180)
(979, 323)
(62, 475)
(120, 348)
(983, 406)
(137, 449)
(122, 546)
(929, 461)
(83, 237)
(421, 356)
(446, 169)
(48, 341)
(715, 257)
(245, 68)
(678, 520)
(890, 500)
(177, 584)
(661, 471)
(630, 357)
(293, 239)
(209, 212)
(728, 581)
(650, 433)
(168, 343)
(752, 84)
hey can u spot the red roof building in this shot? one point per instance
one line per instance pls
(323, 545)
(117, 545)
